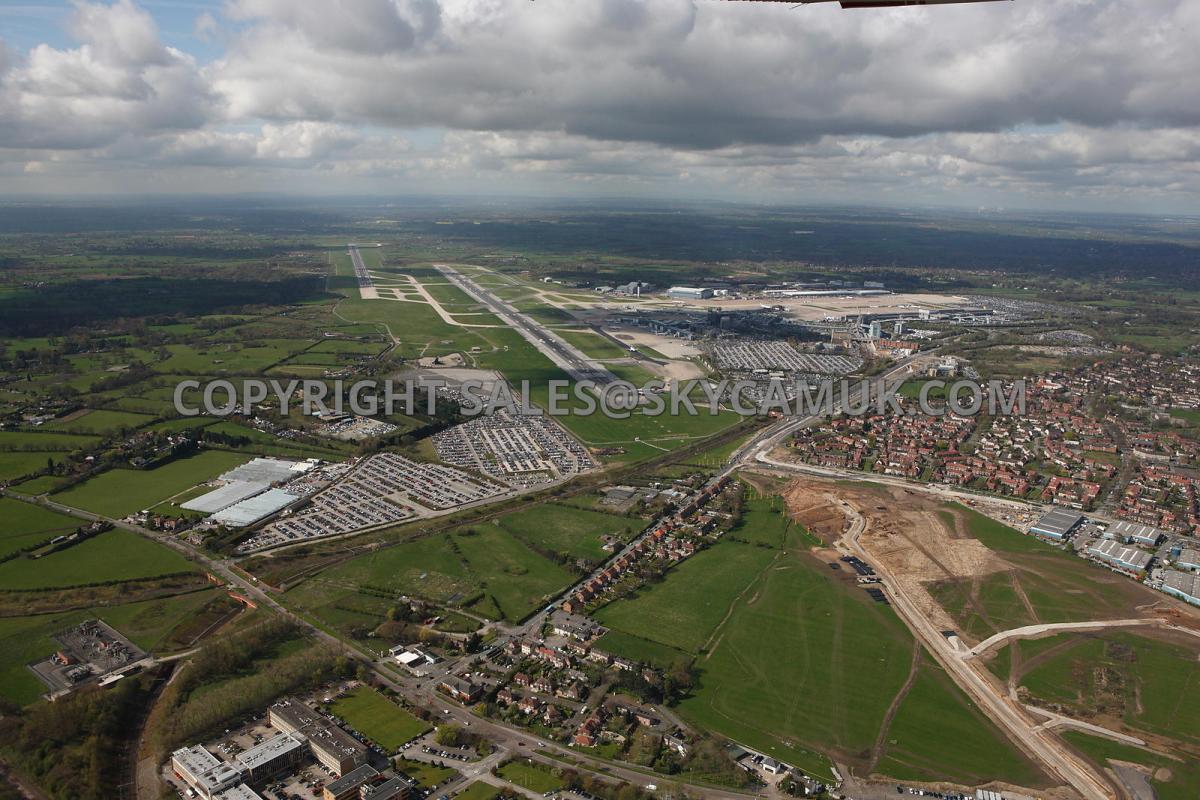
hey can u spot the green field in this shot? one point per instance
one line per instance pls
(796, 661)
(530, 776)
(26, 639)
(117, 555)
(100, 422)
(1149, 684)
(573, 532)
(14, 464)
(120, 492)
(641, 650)
(683, 609)
(592, 344)
(479, 791)
(378, 718)
(23, 525)
(38, 440)
(515, 577)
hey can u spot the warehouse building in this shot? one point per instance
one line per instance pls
(222, 498)
(273, 757)
(1135, 533)
(689, 293)
(250, 511)
(204, 772)
(1120, 556)
(1057, 524)
(1184, 585)
(1188, 558)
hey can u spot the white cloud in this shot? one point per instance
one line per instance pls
(1079, 97)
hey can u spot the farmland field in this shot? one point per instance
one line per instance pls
(37, 440)
(573, 532)
(14, 464)
(23, 525)
(377, 718)
(517, 579)
(120, 492)
(100, 422)
(117, 555)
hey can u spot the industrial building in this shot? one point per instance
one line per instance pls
(1184, 585)
(689, 293)
(1188, 558)
(225, 496)
(253, 509)
(1056, 524)
(1120, 556)
(204, 772)
(273, 757)
(1135, 533)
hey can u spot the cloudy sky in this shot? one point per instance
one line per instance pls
(1032, 103)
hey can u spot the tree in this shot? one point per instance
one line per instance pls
(449, 735)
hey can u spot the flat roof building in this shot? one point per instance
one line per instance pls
(253, 509)
(335, 749)
(277, 754)
(222, 498)
(239, 792)
(1188, 558)
(1056, 524)
(1184, 585)
(347, 786)
(689, 293)
(393, 789)
(1120, 556)
(289, 715)
(204, 772)
(1134, 532)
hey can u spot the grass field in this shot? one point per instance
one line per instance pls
(48, 440)
(796, 661)
(642, 650)
(479, 791)
(14, 464)
(425, 774)
(23, 525)
(593, 345)
(574, 532)
(117, 555)
(518, 579)
(683, 609)
(1149, 684)
(531, 777)
(25, 639)
(120, 492)
(378, 718)
(100, 422)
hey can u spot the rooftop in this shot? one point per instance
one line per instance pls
(1057, 522)
(259, 755)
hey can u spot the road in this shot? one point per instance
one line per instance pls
(1031, 631)
(1059, 760)
(1039, 743)
(564, 355)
